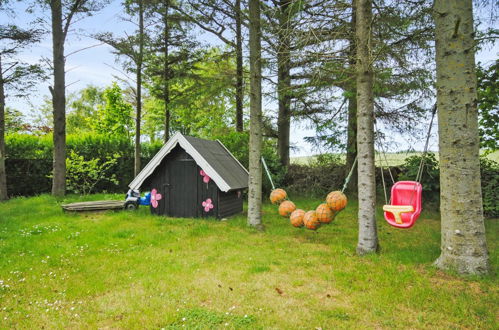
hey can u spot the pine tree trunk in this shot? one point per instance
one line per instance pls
(139, 89)
(368, 236)
(463, 244)
(58, 101)
(239, 69)
(283, 84)
(166, 71)
(255, 143)
(352, 110)
(3, 174)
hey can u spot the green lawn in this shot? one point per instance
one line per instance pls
(135, 270)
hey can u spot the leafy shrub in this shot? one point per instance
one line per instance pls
(317, 179)
(489, 173)
(83, 175)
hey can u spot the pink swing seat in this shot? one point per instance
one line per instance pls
(406, 204)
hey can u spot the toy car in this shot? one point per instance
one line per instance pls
(133, 199)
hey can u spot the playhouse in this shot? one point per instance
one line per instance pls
(192, 177)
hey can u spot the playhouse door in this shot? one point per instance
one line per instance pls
(183, 188)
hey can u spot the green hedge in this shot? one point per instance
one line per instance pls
(29, 160)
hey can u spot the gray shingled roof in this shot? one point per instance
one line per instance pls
(212, 156)
(221, 161)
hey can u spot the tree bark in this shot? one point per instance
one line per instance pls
(239, 69)
(283, 83)
(3, 174)
(58, 101)
(352, 110)
(166, 70)
(139, 89)
(463, 243)
(368, 236)
(255, 147)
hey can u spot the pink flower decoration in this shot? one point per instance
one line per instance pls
(155, 197)
(207, 204)
(205, 176)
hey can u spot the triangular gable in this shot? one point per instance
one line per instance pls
(178, 139)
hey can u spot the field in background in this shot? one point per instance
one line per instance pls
(135, 270)
(393, 159)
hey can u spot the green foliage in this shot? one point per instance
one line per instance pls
(27, 146)
(238, 144)
(115, 117)
(323, 175)
(83, 175)
(92, 145)
(82, 109)
(153, 120)
(430, 178)
(488, 105)
(29, 159)
(204, 105)
(14, 120)
(489, 173)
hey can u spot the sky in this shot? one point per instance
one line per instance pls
(94, 64)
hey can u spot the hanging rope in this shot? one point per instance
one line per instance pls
(425, 150)
(268, 173)
(383, 152)
(347, 180)
(383, 177)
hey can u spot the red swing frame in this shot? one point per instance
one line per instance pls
(405, 193)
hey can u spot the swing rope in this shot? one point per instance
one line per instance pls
(347, 180)
(383, 177)
(425, 150)
(419, 174)
(383, 153)
(268, 173)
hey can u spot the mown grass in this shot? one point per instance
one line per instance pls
(135, 270)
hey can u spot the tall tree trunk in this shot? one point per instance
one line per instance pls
(3, 174)
(58, 101)
(463, 245)
(239, 69)
(283, 83)
(352, 109)
(255, 143)
(368, 236)
(166, 70)
(139, 89)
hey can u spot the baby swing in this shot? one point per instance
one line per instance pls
(406, 196)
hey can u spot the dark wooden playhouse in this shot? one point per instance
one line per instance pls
(192, 177)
